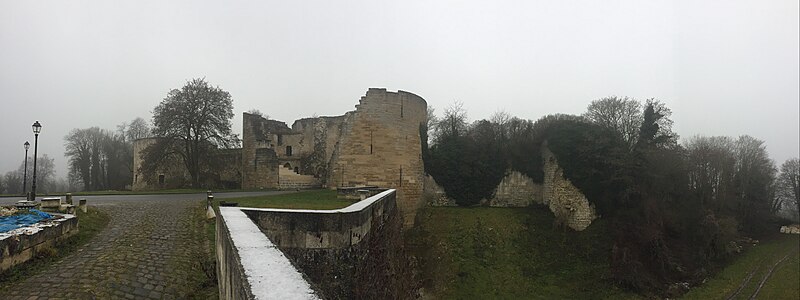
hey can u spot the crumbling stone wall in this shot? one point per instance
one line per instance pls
(175, 173)
(516, 190)
(378, 144)
(306, 148)
(259, 160)
(382, 147)
(568, 204)
(435, 195)
(226, 174)
(566, 201)
(324, 134)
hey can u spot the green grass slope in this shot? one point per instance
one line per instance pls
(509, 253)
(743, 276)
(314, 199)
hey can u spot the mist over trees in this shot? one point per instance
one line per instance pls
(674, 210)
(11, 182)
(787, 189)
(102, 159)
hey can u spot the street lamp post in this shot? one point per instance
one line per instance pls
(36, 129)
(25, 173)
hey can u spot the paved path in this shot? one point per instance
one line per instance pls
(150, 250)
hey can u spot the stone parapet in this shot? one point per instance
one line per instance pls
(350, 253)
(20, 245)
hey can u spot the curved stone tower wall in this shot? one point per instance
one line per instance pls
(381, 147)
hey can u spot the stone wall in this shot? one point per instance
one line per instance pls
(20, 245)
(259, 159)
(173, 170)
(382, 147)
(516, 190)
(351, 253)
(435, 195)
(566, 201)
(306, 148)
(249, 266)
(378, 144)
(322, 136)
(231, 277)
(568, 204)
(227, 172)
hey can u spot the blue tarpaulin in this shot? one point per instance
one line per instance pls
(9, 223)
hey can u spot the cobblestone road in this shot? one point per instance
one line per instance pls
(150, 250)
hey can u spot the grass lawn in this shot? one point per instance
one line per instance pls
(315, 199)
(510, 253)
(784, 283)
(89, 224)
(112, 192)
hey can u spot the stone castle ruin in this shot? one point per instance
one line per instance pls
(377, 144)
(569, 206)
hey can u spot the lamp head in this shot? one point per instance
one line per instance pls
(37, 127)
(27, 145)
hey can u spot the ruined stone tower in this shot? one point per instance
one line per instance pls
(378, 144)
(382, 147)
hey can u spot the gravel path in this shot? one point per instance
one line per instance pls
(151, 249)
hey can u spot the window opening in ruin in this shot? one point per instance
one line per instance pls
(288, 150)
(297, 170)
(370, 142)
(280, 140)
(136, 178)
(401, 175)
(287, 165)
(161, 179)
(401, 108)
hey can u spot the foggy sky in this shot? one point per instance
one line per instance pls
(723, 67)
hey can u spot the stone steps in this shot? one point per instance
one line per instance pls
(288, 179)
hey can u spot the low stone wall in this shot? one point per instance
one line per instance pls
(353, 193)
(516, 190)
(791, 229)
(434, 194)
(249, 266)
(350, 253)
(20, 245)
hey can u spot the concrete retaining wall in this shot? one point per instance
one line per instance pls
(20, 245)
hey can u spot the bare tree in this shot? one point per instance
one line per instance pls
(788, 186)
(711, 165)
(622, 114)
(45, 174)
(99, 159)
(755, 175)
(501, 120)
(82, 147)
(13, 181)
(453, 123)
(138, 128)
(193, 121)
(45, 170)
